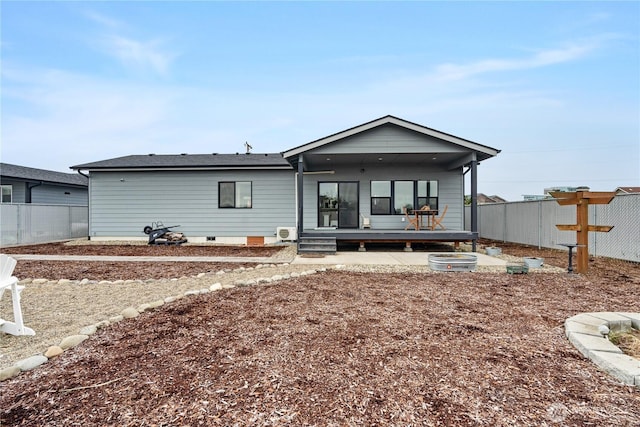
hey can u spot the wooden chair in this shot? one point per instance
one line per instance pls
(436, 221)
(7, 281)
(412, 221)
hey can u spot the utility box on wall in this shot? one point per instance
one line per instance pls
(286, 234)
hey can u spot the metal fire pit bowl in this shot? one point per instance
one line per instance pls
(453, 262)
(533, 262)
(493, 251)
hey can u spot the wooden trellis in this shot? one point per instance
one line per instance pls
(582, 200)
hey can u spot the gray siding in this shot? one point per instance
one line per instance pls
(389, 139)
(18, 190)
(450, 193)
(56, 195)
(48, 194)
(122, 203)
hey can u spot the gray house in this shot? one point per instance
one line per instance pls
(222, 198)
(20, 184)
(374, 175)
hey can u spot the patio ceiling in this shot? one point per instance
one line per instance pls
(317, 162)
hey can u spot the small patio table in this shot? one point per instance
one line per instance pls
(429, 213)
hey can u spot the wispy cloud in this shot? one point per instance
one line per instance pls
(139, 54)
(102, 19)
(585, 22)
(542, 58)
(134, 53)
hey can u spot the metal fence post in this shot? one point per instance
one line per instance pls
(539, 224)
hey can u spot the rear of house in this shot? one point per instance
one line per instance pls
(222, 198)
(377, 170)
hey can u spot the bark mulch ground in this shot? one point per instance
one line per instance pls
(108, 270)
(347, 348)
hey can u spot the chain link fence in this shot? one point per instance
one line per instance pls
(22, 224)
(534, 223)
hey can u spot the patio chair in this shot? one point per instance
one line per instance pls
(412, 220)
(437, 220)
(7, 281)
(366, 222)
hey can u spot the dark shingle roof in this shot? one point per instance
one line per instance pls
(32, 174)
(196, 161)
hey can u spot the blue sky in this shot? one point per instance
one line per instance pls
(554, 85)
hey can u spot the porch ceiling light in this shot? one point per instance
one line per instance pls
(379, 159)
(318, 172)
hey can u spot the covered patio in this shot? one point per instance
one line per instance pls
(379, 171)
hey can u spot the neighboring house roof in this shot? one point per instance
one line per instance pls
(483, 198)
(483, 152)
(23, 173)
(190, 161)
(531, 197)
(627, 190)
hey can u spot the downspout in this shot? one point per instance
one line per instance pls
(88, 204)
(27, 196)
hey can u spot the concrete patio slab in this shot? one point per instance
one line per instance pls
(387, 258)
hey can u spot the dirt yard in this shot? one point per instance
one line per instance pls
(337, 348)
(125, 270)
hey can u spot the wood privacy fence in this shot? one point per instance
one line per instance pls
(22, 224)
(534, 223)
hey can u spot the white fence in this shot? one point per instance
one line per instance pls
(22, 224)
(534, 223)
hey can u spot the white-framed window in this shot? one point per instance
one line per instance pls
(234, 194)
(7, 193)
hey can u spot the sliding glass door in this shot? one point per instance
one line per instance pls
(338, 204)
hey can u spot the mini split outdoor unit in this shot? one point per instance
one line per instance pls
(286, 233)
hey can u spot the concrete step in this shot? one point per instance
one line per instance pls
(324, 245)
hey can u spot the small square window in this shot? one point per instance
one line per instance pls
(234, 194)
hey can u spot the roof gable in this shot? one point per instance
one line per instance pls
(388, 138)
(628, 190)
(482, 151)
